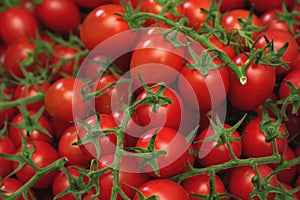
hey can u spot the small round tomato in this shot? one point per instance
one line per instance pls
(64, 101)
(22, 91)
(288, 175)
(91, 3)
(105, 23)
(253, 136)
(280, 38)
(200, 185)
(169, 115)
(106, 143)
(43, 155)
(67, 148)
(128, 176)
(174, 146)
(7, 114)
(164, 189)
(270, 19)
(10, 185)
(15, 133)
(269, 4)
(240, 181)
(213, 152)
(228, 5)
(292, 77)
(6, 147)
(59, 15)
(61, 182)
(260, 84)
(16, 22)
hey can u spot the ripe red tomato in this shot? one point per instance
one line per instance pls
(60, 16)
(288, 175)
(164, 189)
(67, 68)
(106, 143)
(10, 185)
(66, 147)
(260, 83)
(240, 180)
(64, 101)
(192, 10)
(61, 182)
(6, 147)
(269, 4)
(91, 3)
(23, 91)
(154, 53)
(16, 22)
(43, 156)
(252, 136)
(7, 114)
(16, 133)
(279, 39)
(169, 115)
(175, 147)
(105, 23)
(227, 5)
(200, 185)
(284, 90)
(213, 152)
(128, 176)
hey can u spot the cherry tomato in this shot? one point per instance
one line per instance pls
(240, 181)
(252, 136)
(200, 185)
(6, 147)
(91, 3)
(213, 152)
(67, 148)
(43, 155)
(257, 89)
(16, 22)
(61, 16)
(171, 190)
(268, 4)
(15, 133)
(280, 38)
(64, 101)
(11, 185)
(228, 5)
(175, 147)
(107, 143)
(7, 114)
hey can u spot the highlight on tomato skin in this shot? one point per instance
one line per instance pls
(149, 99)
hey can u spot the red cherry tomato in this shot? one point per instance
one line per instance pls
(11, 185)
(6, 147)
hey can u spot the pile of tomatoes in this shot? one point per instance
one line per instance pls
(149, 99)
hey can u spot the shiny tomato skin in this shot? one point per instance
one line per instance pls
(23, 91)
(16, 22)
(11, 185)
(61, 182)
(128, 176)
(175, 147)
(169, 115)
(260, 83)
(43, 156)
(105, 23)
(15, 53)
(253, 136)
(171, 190)
(240, 180)
(285, 91)
(216, 153)
(16, 134)
(64, 101)
(154, 53)
(67, 148)
(91, 3)
(60, 16)
(200, 184)
(106, 143)
(6, 147)
(280, 38)
(228, 5)
(270, 19)
(268, 4)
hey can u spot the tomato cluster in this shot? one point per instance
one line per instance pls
(148, 99)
